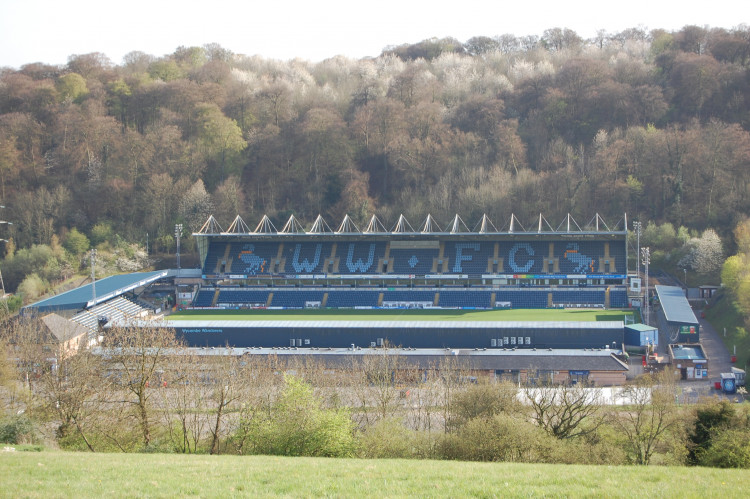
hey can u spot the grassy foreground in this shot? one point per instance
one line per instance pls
(575, 315)
(64, 474)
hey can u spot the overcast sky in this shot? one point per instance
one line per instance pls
(51, 30)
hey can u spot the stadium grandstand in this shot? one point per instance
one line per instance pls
(375, 269)
(402, 267)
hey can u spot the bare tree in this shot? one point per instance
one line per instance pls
(75, 391)
(139, 355)
(650, 417)
(263, 385)
(376, 392)
(453, 378)
(30, 353)
(565, 411)
(184, 403)
(228, 380)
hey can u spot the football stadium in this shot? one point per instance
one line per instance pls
(508, 301)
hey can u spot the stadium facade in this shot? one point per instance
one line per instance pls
(485, 268)
(568, 256)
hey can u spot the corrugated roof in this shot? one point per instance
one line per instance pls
(106, 288)
(489, 359)
(675, 305)
(385, 324)
(640, 327)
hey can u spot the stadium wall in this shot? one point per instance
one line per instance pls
(342, 334)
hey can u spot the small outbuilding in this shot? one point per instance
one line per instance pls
(641, 335)
(690, 360)
(676, 315)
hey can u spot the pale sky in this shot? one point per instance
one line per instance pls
(49, 31)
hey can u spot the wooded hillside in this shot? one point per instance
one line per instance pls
(653, 124)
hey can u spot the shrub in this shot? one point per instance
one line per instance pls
(483, 400)
(729, 449)
(710, 418)
(390, 439)
(500, 438)
(32, 287)
(297, 425)
(17, 430)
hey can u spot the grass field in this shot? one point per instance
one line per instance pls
(575, 315)
(63, 474)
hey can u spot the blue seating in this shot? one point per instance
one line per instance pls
(204, 298)
(351, 299)
(252, 258)
(295, 299)
(523, 298)
(215, 252)
(360, 258)
(238, 296)
(523, 257)
(468, 257)
(618, 298)
(579, 297)
(413, 261)
(306, 258)
(465, 299)
(364, 257)
(408, 298)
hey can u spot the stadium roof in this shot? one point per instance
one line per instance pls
(430, 226)
(353, 324)
(485, 359)
(675, 305)
(107, 288)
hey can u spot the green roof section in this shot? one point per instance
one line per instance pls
(107, 288)
(639, 327)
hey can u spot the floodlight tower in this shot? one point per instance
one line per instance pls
(92, 255)
(637, 226)
(2, 283)
(177, 234)
(646, 257)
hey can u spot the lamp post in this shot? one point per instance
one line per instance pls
(177, 234)
(646, 257)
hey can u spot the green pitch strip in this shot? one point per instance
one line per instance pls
(519, 315)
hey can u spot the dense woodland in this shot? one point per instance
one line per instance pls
(652, 124)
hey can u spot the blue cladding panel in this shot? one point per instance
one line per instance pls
(437, 336)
